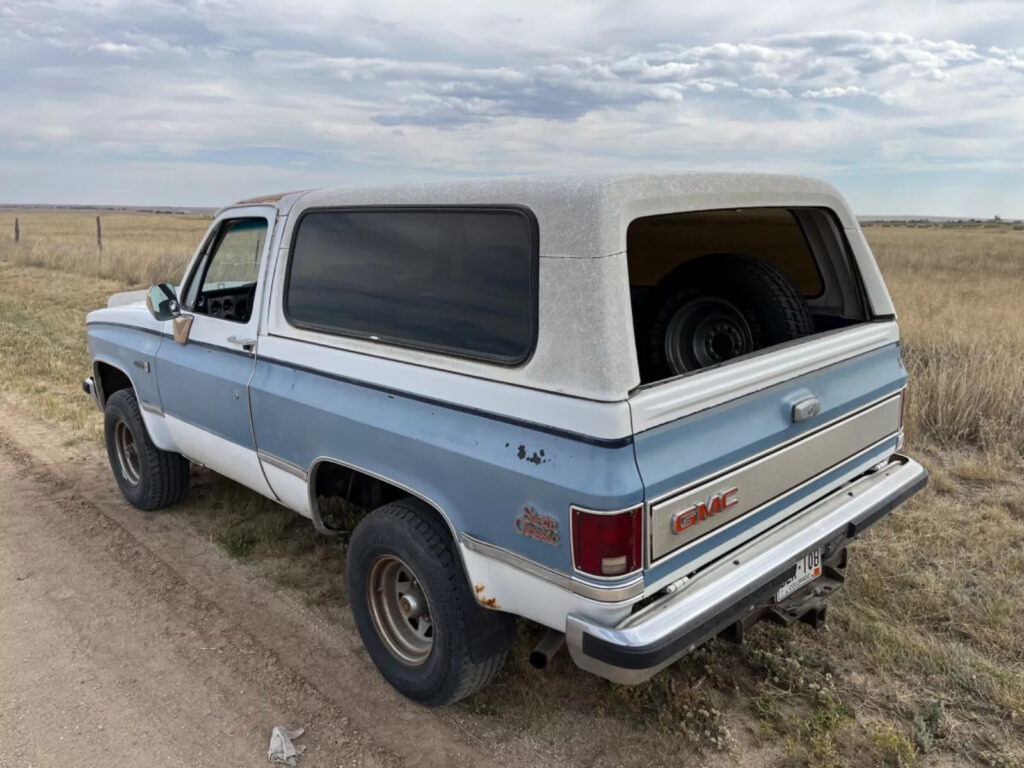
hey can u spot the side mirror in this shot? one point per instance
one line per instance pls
(162, 302)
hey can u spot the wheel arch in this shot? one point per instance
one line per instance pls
(109, 378)
(389, 489)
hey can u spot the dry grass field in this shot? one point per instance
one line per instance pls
(139, 249)
(922, 660)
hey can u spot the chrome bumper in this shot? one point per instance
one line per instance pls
(89, 387)
(733, 588)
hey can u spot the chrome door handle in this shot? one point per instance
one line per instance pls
(806, 409)
(246, 344)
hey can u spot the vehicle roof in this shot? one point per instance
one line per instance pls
(588, 215)
(272, 199)
(587, 346)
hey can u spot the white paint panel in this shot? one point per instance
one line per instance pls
(585, 346)
(229, 459)
(292, 491)
(705, 389)
(587, 215)
(585, 342)
(532, 597)
(159, 433)
(134, 315)
(870, 274)
(127, 298)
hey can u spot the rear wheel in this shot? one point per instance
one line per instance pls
(714, 309)
(412, 605)
(148, 477)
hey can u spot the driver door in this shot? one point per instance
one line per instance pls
(204, 382)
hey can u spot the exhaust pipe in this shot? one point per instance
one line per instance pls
(546, 649)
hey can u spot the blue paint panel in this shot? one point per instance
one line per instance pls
(678, 454)
(206, 386)
(466, 463)
(469, 465)
(121, 346)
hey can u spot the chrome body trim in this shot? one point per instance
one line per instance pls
(806, 409)
(676, 623)
(605, 594)
(89, 387)
(764, 479)
(283, 465)
(154, 409)
(787, 511)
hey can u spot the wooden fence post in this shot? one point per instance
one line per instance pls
(99, 234)
(17, 231)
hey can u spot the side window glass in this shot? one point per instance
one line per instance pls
(459, 281)
(224, 283)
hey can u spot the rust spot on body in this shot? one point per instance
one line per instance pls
(486, 602)
(536, 458)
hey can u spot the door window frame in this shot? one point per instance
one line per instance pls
(200, 264)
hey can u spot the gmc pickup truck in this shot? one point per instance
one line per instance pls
(640, 411)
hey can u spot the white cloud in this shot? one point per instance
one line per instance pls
(352, 93)
(118, 49)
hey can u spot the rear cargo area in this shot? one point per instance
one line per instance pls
(765, 382)
(708, 287)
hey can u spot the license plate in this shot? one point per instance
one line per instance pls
(808, 568)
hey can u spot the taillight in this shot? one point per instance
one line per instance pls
(903, 405)
(607, 544)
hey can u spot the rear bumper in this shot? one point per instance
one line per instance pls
(733, 588)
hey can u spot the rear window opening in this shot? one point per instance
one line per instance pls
(708, 287)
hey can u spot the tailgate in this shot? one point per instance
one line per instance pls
(719, 476)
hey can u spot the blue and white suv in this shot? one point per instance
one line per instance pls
(641, 411)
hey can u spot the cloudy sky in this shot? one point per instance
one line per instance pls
(908, 107)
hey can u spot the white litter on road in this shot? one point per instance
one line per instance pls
(281, 748)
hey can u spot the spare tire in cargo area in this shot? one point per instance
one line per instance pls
(714, 308)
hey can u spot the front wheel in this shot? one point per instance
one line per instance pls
(148, 477)
(422, 627)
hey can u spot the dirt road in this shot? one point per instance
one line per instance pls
(127, 639)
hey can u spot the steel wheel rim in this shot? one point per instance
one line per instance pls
(705, 332)
(399, 609)
(127, 453)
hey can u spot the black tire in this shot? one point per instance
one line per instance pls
(469, 643)
(156, 478)
(757, 304)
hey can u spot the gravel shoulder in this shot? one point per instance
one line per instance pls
(124, 637)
